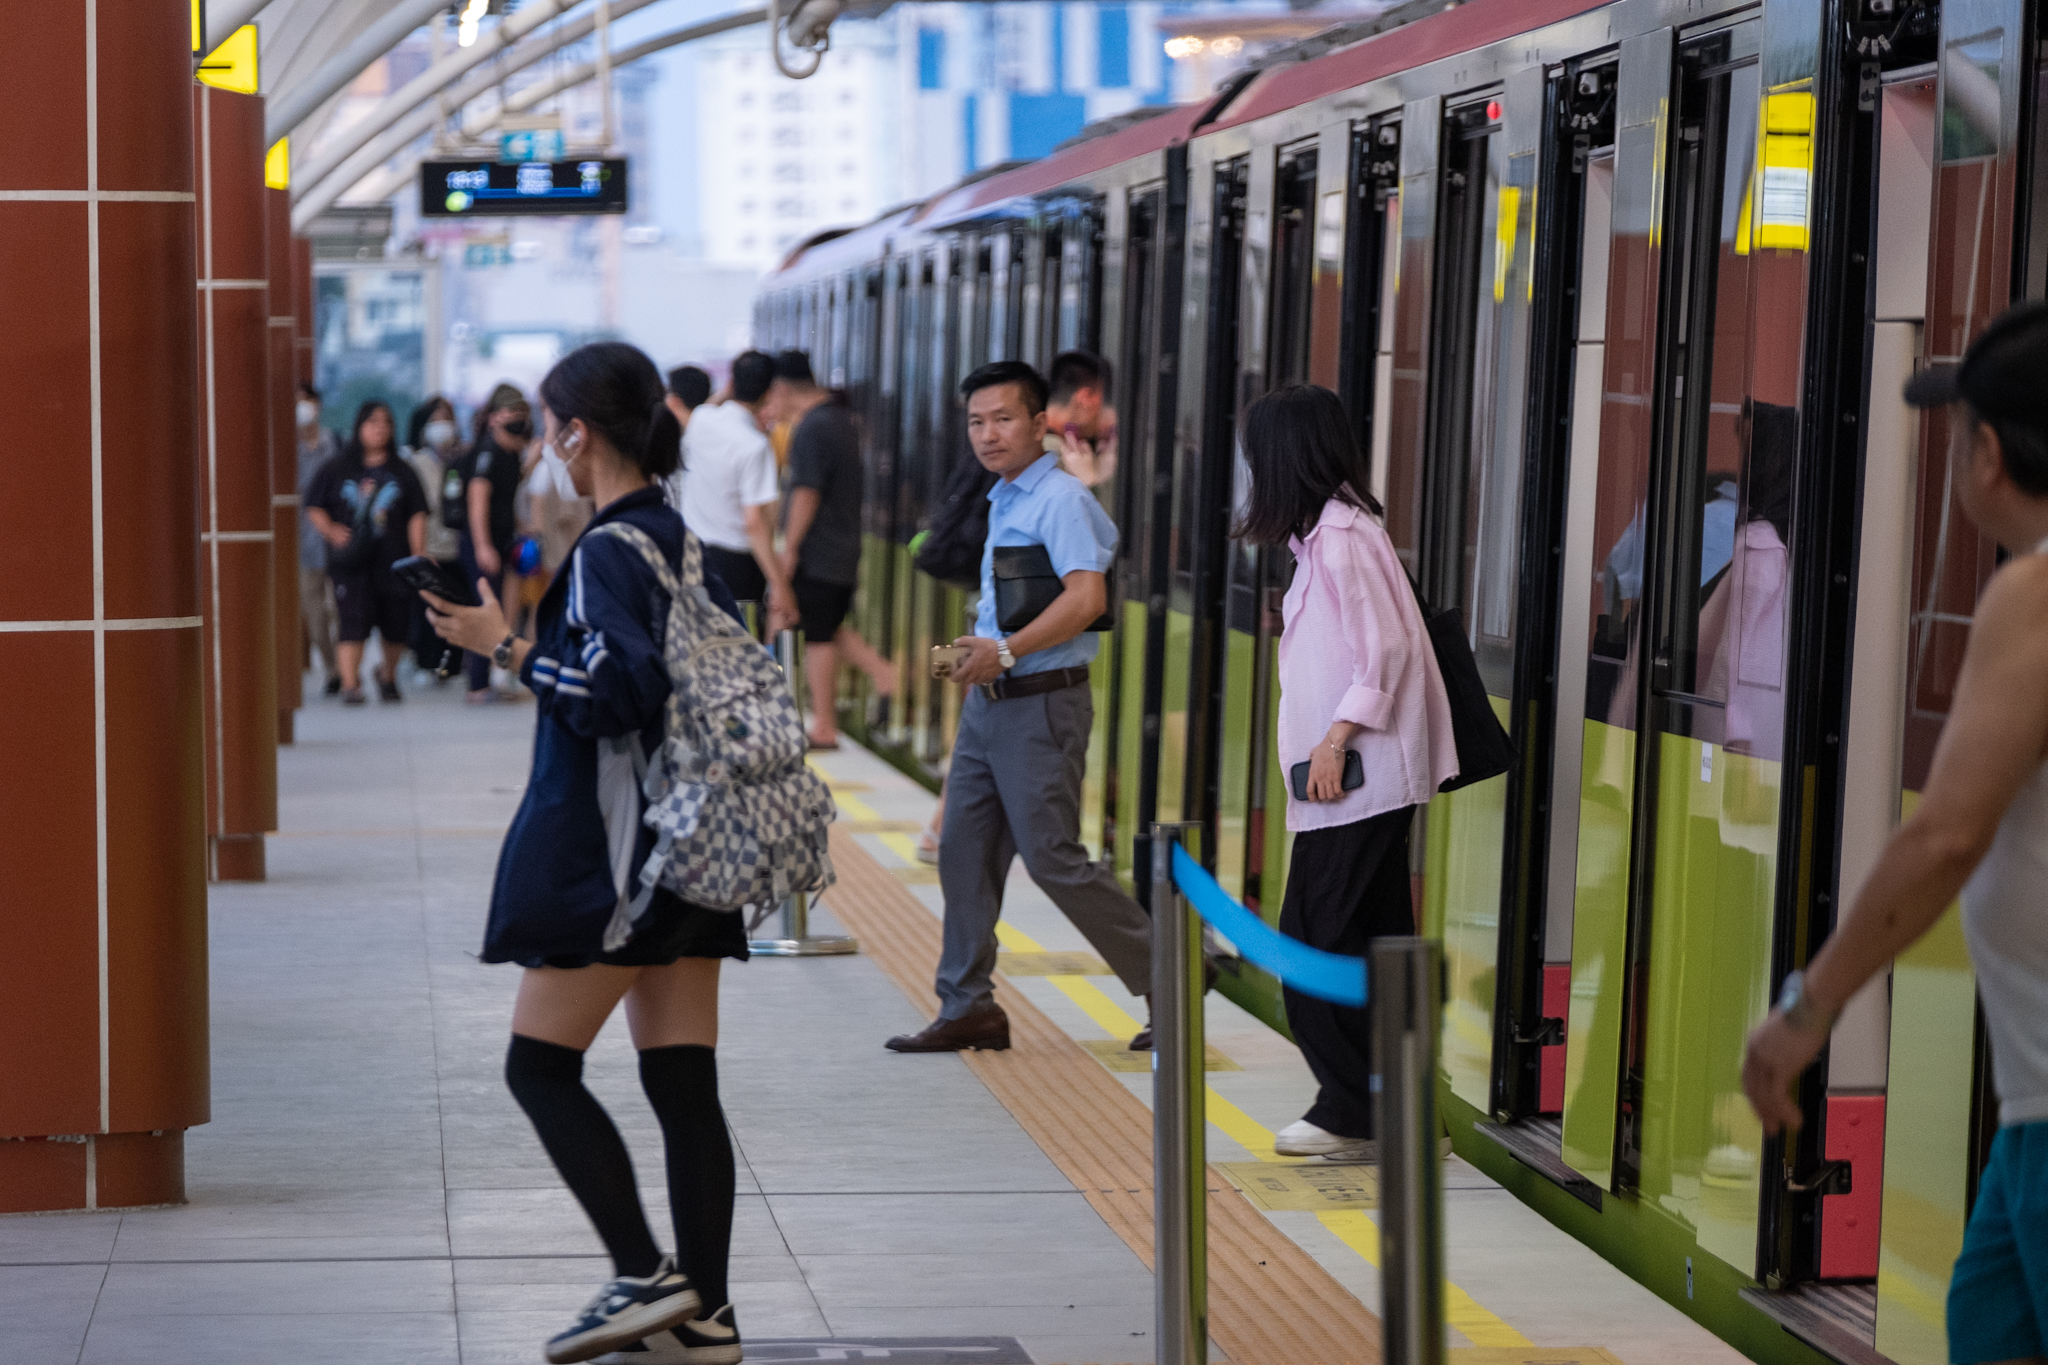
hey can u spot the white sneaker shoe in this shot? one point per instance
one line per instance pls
(1302, 1138)
(710, 1340)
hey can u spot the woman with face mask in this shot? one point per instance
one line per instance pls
(430, 436)
(601, 688)
(498, 463)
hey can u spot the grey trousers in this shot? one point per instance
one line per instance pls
(1015, 787)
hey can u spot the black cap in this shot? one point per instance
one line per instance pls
(2003, 376)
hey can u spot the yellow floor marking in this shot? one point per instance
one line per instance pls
(1352, 1228)
(1117, 1056)
(1051, 964)
(1309, 1187)
(1461, 1310)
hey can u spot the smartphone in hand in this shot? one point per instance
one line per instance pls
(946, 658)
(425, 575)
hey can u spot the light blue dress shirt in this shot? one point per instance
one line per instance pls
(1046, 506)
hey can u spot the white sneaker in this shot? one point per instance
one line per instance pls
(1302, 1138)
(710, 1340)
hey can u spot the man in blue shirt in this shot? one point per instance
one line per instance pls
(1014, 786)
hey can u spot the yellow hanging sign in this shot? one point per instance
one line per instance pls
(198, 27)
(232, 65)
(277, 165)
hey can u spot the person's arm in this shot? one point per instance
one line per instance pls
(1083, 597)
(803, 510)
(479, 495)
(781, 604)
(416, 533)
(1993, 742)
(333, 534)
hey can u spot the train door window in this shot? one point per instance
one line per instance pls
(1045, 322)
(1287, 354)
(1136, 390)
(1010, 277)
(1372, 239)
(1219, 408)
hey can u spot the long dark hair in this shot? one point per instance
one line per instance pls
(1300, 451)
(616, 390)
(370, 408)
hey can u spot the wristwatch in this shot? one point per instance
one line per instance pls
(1800, 1009)
(1003, 654)
(502, 655)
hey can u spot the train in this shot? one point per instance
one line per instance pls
(1620, 298)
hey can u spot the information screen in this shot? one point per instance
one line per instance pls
(479, 189)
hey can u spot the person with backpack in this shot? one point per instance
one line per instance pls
(1364, 732)
(569, 904)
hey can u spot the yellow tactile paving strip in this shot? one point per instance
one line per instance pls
(1269, 1302)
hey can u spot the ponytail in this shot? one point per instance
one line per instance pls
(663, 454)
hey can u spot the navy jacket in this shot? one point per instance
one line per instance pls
(597, 670)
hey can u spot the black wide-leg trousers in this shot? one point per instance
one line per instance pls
(1346, 885)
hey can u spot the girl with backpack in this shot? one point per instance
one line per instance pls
(568, 866)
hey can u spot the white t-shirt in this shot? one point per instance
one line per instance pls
(728, 466)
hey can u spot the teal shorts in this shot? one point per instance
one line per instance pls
(1998, 1298)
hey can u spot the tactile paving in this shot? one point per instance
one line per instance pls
(1269, 1302)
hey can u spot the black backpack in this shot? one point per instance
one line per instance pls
(950, 548)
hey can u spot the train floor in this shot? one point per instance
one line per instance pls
(368, 1194)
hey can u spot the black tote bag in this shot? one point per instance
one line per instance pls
(1026, 586)
(1483, 747)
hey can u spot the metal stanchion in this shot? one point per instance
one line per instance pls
(1180, 1159)
(1406, 983)
(796, 939)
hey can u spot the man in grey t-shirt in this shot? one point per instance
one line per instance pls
(821, 536)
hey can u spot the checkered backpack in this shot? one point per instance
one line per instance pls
(739, 818)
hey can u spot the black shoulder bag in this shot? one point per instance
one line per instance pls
(1483, 747)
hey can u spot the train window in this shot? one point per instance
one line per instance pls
(1219, 411)
(1287, 354)
(1372, 232)
(1044, 327)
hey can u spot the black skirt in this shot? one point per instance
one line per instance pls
(672, 928)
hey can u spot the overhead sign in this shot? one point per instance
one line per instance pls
(474, 189)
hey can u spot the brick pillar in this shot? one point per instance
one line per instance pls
(239, 649)
(102, 869)
(284, 457)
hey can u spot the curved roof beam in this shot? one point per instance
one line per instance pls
(286, 109)
(387, 181)
(373, 141)
(223, 17)
(422, 89)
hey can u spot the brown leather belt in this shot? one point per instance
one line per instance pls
(1033, 684)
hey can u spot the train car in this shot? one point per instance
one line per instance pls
(1620, 298)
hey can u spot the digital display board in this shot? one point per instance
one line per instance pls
(483, 189)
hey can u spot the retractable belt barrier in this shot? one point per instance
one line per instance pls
(1405, 1014)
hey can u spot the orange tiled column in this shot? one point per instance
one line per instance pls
(239, 649)
(103, 1007)
(281, 365)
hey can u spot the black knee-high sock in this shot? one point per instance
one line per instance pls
(682, 1085)
(547, 1080)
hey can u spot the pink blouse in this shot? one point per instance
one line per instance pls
(1353, 647)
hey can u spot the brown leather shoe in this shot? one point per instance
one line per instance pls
(986, 1029)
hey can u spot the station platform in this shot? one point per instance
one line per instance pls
(369, 1192)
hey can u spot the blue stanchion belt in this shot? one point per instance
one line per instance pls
(1327, 976)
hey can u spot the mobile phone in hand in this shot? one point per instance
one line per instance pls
(946, 658)
(1352, 779)
(425, 575)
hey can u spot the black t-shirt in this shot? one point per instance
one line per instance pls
(824, 453)
(385, 499)
(501, 469)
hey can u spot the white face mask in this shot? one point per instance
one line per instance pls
(438, 434)
(308, 411)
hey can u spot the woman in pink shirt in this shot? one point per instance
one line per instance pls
(1356, 674)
